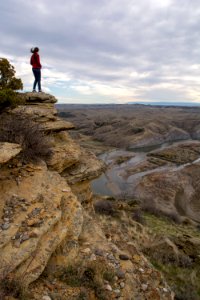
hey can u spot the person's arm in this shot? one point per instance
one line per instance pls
(39, 64)
(31, 60)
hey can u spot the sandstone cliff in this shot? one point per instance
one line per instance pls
(48, 221)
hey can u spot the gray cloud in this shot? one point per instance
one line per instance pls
(106, 42)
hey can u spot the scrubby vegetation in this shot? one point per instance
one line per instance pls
(89, 275)
(9, 98)
(13, 288)
(172, 247)
(178, 263)
(104, 207)
(18, 129)
(9, 84)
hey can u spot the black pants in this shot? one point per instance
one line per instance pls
(37, 75)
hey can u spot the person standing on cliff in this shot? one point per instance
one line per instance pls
(36, 67)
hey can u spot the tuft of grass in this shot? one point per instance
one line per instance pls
(13, 288)
(89, 275)
(137, 215)
(71, 276)
(104, 207)
(183, 282)
(152, 209)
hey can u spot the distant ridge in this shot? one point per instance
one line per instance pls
(167, 103)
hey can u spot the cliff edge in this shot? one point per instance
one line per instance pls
(48, 230)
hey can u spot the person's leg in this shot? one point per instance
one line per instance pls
(39, 80)
(35, 82)
(37, 74)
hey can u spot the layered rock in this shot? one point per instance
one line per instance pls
(34, 222)
(39, 212)
(44, 218)
(8, 151)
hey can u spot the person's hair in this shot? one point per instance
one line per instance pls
(33, 50)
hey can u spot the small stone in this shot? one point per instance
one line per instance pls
(65, 190)
(93, 257)
(165, 290)
(6, 219)
(46, 298)
(5, 226)
(108, 288)
(110, 257)
(33, 234)
(144, 287)
(17, 235)
(86, 251)
(141, 270)
(99, 252)
(120, 274)
(117, 291)
(122, 285)
(124, 257)
(36, 211)
(31, 222)
(25, 237)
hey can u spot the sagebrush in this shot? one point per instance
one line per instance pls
(29, 134)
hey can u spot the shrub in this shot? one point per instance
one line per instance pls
(138, 216)
(82, 296)
(7, 76)
(88, 275)
(104, 207)
(18, 129)
(71, 275)
(13, 288)
(152, 209)
(9, 98)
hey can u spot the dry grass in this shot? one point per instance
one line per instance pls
(14, 288)
(89, 275)
(21, 130)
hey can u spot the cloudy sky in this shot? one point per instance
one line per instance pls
(100, 51)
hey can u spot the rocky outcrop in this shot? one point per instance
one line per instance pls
(8, 151)
(38, 98)
(33, 221)
(65, 152)
(47, 219)
(38, 209)
(88, 168)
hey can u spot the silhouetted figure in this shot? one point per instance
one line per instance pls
(36, 65)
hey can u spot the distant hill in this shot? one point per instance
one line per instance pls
(167, 103)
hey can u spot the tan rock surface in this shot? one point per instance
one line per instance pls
(57, 125)
(40, 113)
(38, 98)
(40, 196)
(88, 167)
(65, 152)
(8, 151)
(174, 193)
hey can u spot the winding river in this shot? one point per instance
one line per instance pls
(116, 181)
